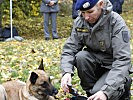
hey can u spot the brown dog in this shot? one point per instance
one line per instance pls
(37, 87)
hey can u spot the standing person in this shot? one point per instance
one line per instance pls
(50, 8)
(117, 5)
(74, 11)
(1, 16)
(99, 47)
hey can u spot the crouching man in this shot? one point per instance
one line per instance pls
(99, 47)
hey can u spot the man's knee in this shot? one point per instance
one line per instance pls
(81, 55)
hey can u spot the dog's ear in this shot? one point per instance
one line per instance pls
(41, 67)
(33, 78)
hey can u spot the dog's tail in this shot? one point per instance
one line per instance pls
(3, 95)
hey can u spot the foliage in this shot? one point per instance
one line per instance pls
(27, 7)
(33, 27)
(18, 59)
(65, 8)
(31, 8)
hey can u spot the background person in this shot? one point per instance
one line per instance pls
(50, 8)
(74, 11)
(99, 47)
(117, 5)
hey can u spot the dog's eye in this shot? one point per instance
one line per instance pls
(45, 84)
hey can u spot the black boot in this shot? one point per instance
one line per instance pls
(88, 94)
(127, 94)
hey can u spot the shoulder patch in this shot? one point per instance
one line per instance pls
(125, 36)
(85, 30)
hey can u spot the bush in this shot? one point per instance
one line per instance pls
(65, 8)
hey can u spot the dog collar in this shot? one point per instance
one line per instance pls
(26, 94)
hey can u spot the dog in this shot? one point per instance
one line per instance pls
(37, 87)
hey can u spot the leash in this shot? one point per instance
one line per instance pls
(75, 94)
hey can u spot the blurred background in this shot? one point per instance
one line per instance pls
(29, 21)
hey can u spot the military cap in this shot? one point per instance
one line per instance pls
(85, 4)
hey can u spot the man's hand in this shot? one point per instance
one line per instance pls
(51, 3)
(66, 79)
(98, 96)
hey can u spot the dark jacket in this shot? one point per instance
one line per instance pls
(45, 8)
(74, 12)
(117, 5)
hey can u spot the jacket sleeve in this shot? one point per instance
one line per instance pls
(121, 58)
(56, 1)
(46, 1)
(121, 1)
(71, 48)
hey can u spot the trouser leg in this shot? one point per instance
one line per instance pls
(54, 24)
(92, 75)
(46, 24)
(97, 87)
(89, 70)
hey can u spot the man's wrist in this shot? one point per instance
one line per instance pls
(66, 73)
(105, 94)
(107, 90)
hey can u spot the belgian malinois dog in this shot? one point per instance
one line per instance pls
(37, 87)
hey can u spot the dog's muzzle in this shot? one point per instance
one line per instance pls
(51, 93)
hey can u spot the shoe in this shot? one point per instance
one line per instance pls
(127, 94)
(18, 38)
(47, 38)
(55, 38)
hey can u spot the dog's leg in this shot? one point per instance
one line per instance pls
(3, 95)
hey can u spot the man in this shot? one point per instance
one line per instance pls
(50, 8)
(117, 5)
(99, 47)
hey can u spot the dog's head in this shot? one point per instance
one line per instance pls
(39, 84)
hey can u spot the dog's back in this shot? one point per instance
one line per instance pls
(11, 89)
